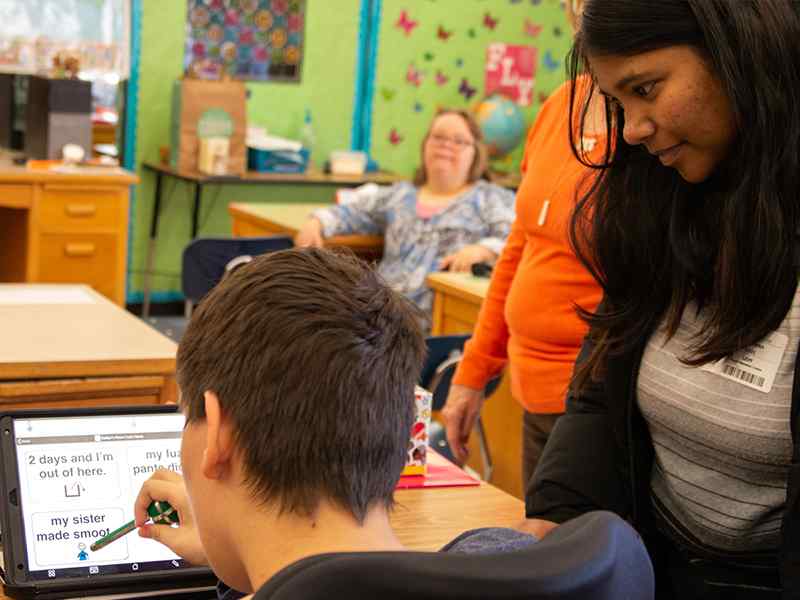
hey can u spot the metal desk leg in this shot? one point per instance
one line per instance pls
(198, 188)
(151, 247)
(486, 456)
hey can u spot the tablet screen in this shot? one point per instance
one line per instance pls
(78, 479)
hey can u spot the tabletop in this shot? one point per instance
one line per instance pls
(287, 215)
(312, 176)
(71, 330)
(462, 285)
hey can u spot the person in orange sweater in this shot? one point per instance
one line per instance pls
(528, 319)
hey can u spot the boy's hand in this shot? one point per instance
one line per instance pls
(310, 234)
(183, 540)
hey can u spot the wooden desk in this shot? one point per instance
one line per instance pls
(288, 218)
(312, 177)
(426, 519)
(67, 345)
(65, 227)
(456, 303)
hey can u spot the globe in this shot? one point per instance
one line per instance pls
(502, 124)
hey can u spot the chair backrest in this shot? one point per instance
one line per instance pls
(205, 259)
(597, 556)
(444, 353)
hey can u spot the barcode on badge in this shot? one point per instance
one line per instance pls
(738, 373)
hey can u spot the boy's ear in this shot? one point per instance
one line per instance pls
(219, 438)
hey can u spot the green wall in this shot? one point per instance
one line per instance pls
(327, 85)
(327, 88)
(408, 108)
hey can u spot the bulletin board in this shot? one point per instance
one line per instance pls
(254, 40)
(433, 54)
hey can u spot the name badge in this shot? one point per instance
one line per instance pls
(756, 366)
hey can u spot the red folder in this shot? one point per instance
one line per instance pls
(441, 473)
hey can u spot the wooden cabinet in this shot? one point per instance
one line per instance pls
(65, 228)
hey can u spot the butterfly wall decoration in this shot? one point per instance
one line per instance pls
(406, 23)
(550, 63)
(394, 137)
(489, 21)
(466, 90)
(413, 75)
(531, 29)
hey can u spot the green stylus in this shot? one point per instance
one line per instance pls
(159, 511)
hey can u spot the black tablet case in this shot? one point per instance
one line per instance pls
(15, 558)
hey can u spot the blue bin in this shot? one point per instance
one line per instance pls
(277, 161)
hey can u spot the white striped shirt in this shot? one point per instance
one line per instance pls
(722, 449)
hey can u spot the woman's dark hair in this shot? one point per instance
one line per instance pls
(655, 242)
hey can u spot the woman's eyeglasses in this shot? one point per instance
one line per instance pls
(458, 142)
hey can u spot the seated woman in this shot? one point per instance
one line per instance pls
(449, 218)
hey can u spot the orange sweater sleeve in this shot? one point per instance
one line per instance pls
(486, 353)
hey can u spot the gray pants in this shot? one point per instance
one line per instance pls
(536, 429)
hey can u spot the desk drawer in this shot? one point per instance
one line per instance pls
(99, 391)
(89, 258)
(81, 209)
(16, 196)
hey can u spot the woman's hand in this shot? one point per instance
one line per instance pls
(310, 234)
(183, 540)
(462, 260)
(459, 414)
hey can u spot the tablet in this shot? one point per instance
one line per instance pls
(69, 476)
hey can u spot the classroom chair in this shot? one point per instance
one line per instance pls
(596, 556)
(204, 262)
(444, 354)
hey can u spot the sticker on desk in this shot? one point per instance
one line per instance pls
(754, 367)
(46, 295)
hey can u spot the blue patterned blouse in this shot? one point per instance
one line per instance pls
(413, 247)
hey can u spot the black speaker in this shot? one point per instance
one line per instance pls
(58, 112)
(6, 109)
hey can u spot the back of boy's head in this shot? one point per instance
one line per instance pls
(315, 360)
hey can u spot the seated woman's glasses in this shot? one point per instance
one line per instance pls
(458, 142)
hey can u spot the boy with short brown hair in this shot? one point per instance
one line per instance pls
(297, 377)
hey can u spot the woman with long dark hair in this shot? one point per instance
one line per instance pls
(684, 411)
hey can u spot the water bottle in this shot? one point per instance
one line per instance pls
(307, 135)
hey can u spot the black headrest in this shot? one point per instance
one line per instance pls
(597, 556)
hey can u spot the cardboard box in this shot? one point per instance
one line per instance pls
(208, 109)
(417, 458)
